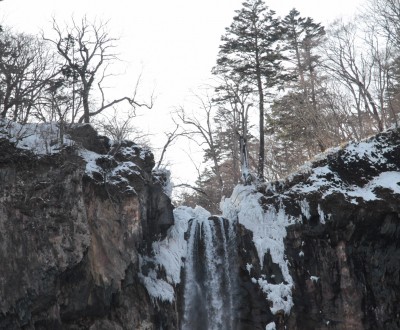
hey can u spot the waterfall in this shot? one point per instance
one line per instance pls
(210, 276)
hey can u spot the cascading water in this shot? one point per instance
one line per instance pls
(197, 265)
(210, 283)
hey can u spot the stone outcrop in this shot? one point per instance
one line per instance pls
(343, 248)
(72, 225)
(254, 309)
(348, 274)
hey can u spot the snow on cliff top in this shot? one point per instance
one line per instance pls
(44, 139)
(40, 138)
(356, 171)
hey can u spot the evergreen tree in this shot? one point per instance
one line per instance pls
(297, 118)
(250, 51)
(303, 36)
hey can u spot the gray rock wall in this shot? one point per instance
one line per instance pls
(70, 242)
(344, 252)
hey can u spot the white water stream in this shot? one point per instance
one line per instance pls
(210, 275)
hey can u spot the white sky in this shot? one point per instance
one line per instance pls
(175, 42)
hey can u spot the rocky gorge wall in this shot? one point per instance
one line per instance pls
(72, 225)
(347, 275)
(341, 215)
(89, 239)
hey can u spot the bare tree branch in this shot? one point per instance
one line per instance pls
(88, 50)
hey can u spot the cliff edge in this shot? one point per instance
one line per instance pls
(321, 247)
(73, 220)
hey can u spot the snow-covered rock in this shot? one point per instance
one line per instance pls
(320, 243)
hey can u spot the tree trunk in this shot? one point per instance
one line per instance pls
(234, 134)
(85, 102)
(261, 153)
(368, 99)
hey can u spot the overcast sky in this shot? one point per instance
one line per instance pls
(174, 42)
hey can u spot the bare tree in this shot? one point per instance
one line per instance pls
(25, 70)
(382, 18)
(202, 127)
(354, 69)
(171, 136)
(87, 50)
(385, 14)
(234, 100)
(118, 126)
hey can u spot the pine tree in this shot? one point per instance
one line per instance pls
(299, 113)
(250, 52)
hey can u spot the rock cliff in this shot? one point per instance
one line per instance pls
(89, 240)
(345, 255)
(73, 220)
(330, 234)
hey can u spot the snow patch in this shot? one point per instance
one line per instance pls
(269, 231)
(305, 209)
(369, 150)
(157, 288)
(249, 267)
(318, 181)
(271, 326)
(321, 215)
(315, 279)
(389, 180)
(279, 294)
(169, 255)
(40, 138)
(170, 251)
(144, 152)
(90, 158)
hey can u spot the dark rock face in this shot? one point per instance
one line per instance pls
(69, 241)
(344, 255)
(254, 312)
(87, 137)
(357, 264)
(355, 254)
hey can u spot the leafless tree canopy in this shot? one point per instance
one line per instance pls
(25, 70)
(87, 50)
